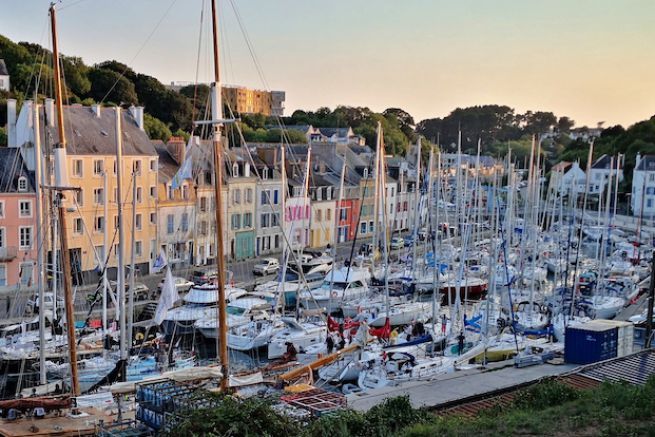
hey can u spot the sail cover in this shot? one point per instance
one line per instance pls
(168, 297)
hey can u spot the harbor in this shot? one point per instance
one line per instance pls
(324, 270)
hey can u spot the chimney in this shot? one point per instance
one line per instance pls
(139, 117)
(50, 111)
(11, 123)
(96, 110)
(637, 160)
(246, 170)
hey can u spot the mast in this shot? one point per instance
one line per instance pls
(105, 255)
(120, 280)
(39, 242)
(130, 298)
(61, 183)
(217, 112)
(417, 199)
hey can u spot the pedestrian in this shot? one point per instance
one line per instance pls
(444, 323)
(330, 343)
(460, 343)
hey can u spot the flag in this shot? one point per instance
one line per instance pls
(168, 297)
(160, 262)
(184, 172)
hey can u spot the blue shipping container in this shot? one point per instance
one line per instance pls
(590, 343)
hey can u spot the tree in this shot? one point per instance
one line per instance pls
(565, 124)
(539, 122)
(155, 128)
(3, 137)
(108, 83)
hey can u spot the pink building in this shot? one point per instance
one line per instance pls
(17, 222)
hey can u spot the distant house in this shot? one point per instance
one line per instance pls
(600, 172)
(585, 133)
(643, 186)
(572, 181)
(339, 135)
(4, 76)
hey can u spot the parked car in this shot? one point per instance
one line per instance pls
(397, 243)
(33, 305)
(409, 240)
(141, 291)
(266, 266)
(200, 277)
(181, 284)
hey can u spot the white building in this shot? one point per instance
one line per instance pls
(643, 186)
(4, 76)
(600, 173)
(573, 180)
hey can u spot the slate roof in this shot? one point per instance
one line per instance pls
(12, 167)
(167, 165)
(602, 163)
(647, 163)
(87, 134)
(341, 132)
(3, 68)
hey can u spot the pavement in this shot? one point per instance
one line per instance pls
(455, 386)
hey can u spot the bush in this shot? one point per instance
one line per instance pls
(546, 394)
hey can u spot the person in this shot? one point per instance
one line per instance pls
(444, 324)
(33, 395)
(393, 337)
(291, 353)
(330, 344)
(57, 389)
(460, 343)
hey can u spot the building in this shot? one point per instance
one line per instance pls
(268, 217)
(323, 207)
(600, 172)
(643, 186)
(571, 179)
(18, 246)
(242, 100)
(91, 166)
(4, 76)
(241, 189)
(176, 205)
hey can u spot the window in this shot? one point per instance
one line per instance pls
(236, 196)
(185, 192)
(25, 237)
(318, 194)
(98, 167)
(78, 168)
(139, 193)
(3, 275)
(79, 197)
(115, 167)
(138, 248)
(343, 214)
(25, 208)
(2, 209)
(328, 193)
(236, 221)
(365, 173)
(115, 195)
(136, 166)
(265, 221)
(100, 250)
(264, 197)
(26, 273)
(328, 215)
(170, 223)
(98, 196)
(277, 241)
(138, 221)
(249, 195)
(115, 222)
(319, 215)
(235, 170)
(203, 204)
(247, 220)
(185, 222)
(22, 183)
(153, 249)
(265, 173)
(170, 192)
(362, 227)
(2, 237)
(153, 165)
(203, 227)
(153, 192)
(370, 226)
(276, 219)
(275, 194)
(99, 224)
(78, 226)
(153, 218)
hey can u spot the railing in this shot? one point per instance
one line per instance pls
(8, 253)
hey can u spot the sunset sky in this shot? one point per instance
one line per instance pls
(589, 59)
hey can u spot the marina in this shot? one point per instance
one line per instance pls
(323, 274)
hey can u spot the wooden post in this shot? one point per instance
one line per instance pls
(68, 299)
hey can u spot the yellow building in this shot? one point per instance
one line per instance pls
(243, 100)
(91, 214)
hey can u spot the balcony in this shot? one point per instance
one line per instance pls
(8, 253)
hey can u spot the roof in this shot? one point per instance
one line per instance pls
(87, 134)
(602, 163)
(647, 163)
(634, 369)
(341, 132)
(167, 165)
(3, 68)
(12, 167)
(561, 166)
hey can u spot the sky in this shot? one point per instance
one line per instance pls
(586, 59)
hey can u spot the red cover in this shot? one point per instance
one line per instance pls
(383, 332)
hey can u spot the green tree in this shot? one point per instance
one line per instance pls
(3, 137)
(155, 128)
(565, 124)
(108, 83)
